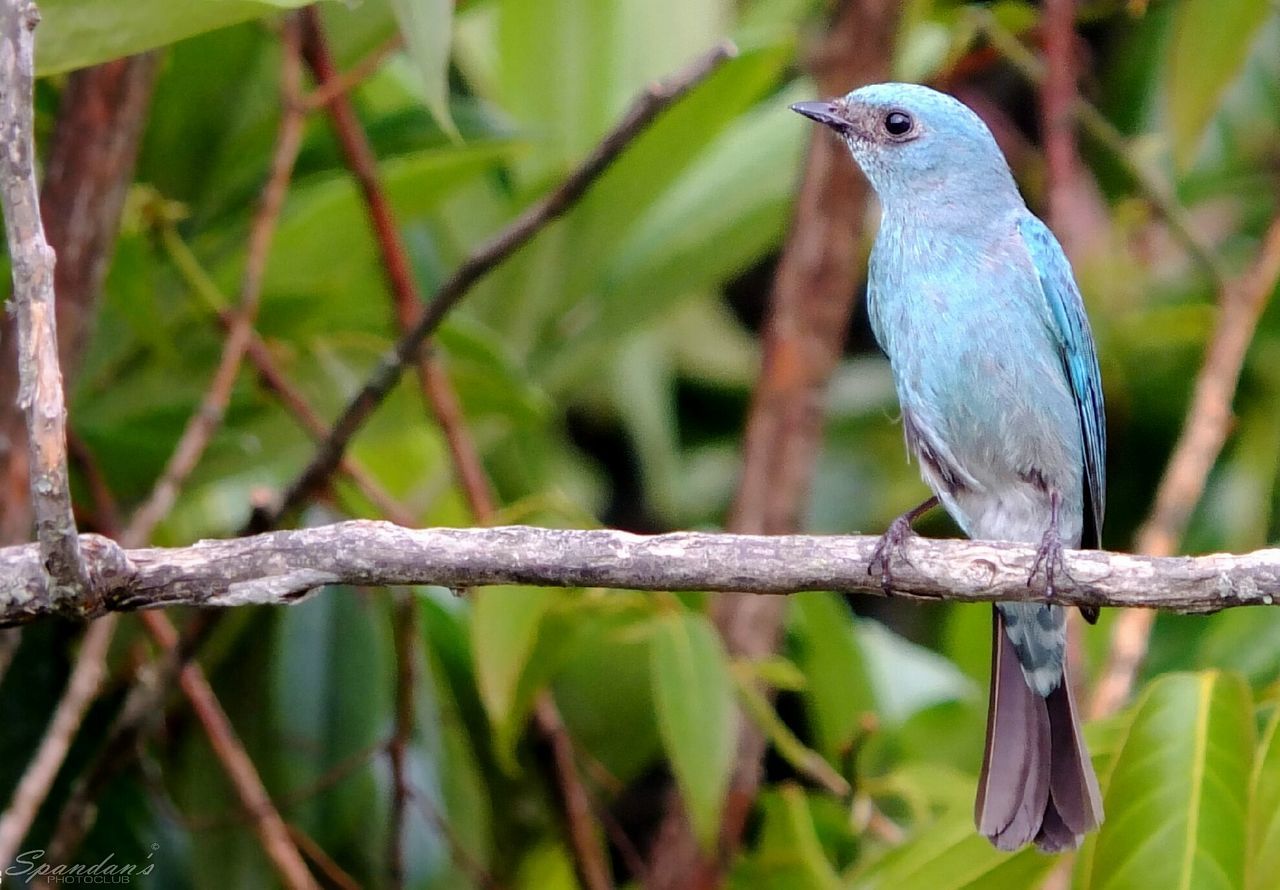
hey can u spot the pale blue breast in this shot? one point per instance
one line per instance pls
(979, 375)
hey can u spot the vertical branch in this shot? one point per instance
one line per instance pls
(40, 378)
(87, 173)
(810, 306)
(1203, 435)
(91, 158)
(1077, 212)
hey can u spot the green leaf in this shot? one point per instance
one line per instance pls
(1211, 39)
(838, 692)
(1264, 811)
(427, 26)
(1177, 796)
(606, 645)
(505, 623)
(78, 33)
(697, 719)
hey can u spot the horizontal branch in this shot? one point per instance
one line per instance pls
(282, 567)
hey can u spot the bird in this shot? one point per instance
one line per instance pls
(974, 302)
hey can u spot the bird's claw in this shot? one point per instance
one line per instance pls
(891, 542)
(1050, 560)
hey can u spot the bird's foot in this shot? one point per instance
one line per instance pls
(1050, 560)
(891, 543)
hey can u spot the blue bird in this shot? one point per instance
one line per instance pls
(974, 302)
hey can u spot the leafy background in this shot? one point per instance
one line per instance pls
(605, 372)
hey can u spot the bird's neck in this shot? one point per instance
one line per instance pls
(956, 215)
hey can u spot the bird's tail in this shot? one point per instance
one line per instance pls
(1037, 782)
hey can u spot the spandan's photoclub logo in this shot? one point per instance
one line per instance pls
(30, 866)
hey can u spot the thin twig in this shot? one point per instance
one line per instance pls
(345, 82)
(40, 378)
(280, 568)
(208, 417)
(37, 779)
(588, 858)
(1203, 435)
(333, 873)
(274, 835)
(273, 378)
(407, 297)
(483, 260)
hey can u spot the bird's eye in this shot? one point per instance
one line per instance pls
(897, 123)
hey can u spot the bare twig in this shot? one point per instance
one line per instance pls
(208, 417)
(279, 568)
(40, 378)
(1203, 434)
(589, 862)
(344, 82)
(227, 747)
(88, 168)
(333, 873)
(274, 379)
(37, 779)
(482, 261)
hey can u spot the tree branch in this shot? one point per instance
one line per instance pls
(40, 378)
(283, 567)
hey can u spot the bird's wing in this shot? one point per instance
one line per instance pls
(1070, 326)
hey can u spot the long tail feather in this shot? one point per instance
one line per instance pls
(1037, 782)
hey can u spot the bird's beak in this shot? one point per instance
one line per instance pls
(832, 112)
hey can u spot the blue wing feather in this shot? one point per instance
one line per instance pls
(1079, 357)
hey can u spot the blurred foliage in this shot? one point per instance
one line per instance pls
(605, 371)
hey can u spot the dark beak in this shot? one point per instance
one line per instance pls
(832, 113)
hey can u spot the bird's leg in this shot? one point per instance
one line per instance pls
(1049, 555)
(892, 540)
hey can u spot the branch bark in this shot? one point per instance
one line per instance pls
(279, 568)
(40, 378)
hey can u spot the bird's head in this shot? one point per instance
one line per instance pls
(914, 142)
